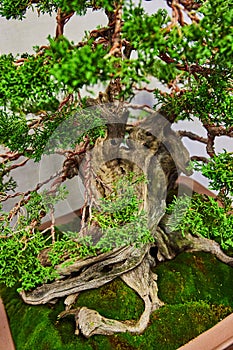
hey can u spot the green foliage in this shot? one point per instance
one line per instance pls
(77, 66)
(120, 207)
(164, 72)
(145, 34)
(78, 125)
(120, 218)
(207, 93)
(17, 9)
(41, 202)
(205, 48)
(11, 9)
(66, 250)
(27, 87)
(21, 244)
(207, 98)
(216, 22)
(13, 131)
(80, 7)
(202, 216)
(19, 262)
(16, 134)
(219, 170)
(144, 30)
(135, 232)
(207, 41)
(34, 85)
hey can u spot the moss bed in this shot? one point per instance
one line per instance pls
(196, 289)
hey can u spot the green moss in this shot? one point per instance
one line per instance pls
(115, 300)
(193, 277)
(174, 325)
(196, 288)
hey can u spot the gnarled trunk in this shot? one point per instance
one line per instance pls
(150, 148)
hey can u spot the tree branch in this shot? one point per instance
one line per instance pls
(192, 69)
(218, 130)
(200, 159)
(116, 49)
(210, 145)
(38, 186)
(192, 136)
(62, 18)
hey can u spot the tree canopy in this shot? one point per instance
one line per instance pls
(77, 100)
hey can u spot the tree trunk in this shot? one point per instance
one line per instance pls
(151, 148)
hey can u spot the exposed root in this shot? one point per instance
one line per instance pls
(143, 281)
(201, 244)
(170, 244)
(92, 275)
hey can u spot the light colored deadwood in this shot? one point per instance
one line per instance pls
(202, 244)
(170, 244)
(92, 276)
(143, 281)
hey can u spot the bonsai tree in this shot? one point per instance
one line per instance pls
(126, 154)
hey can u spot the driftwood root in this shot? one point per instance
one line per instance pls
(143, 281)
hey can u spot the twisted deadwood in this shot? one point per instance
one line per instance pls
(151, 148)
(143, 281)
